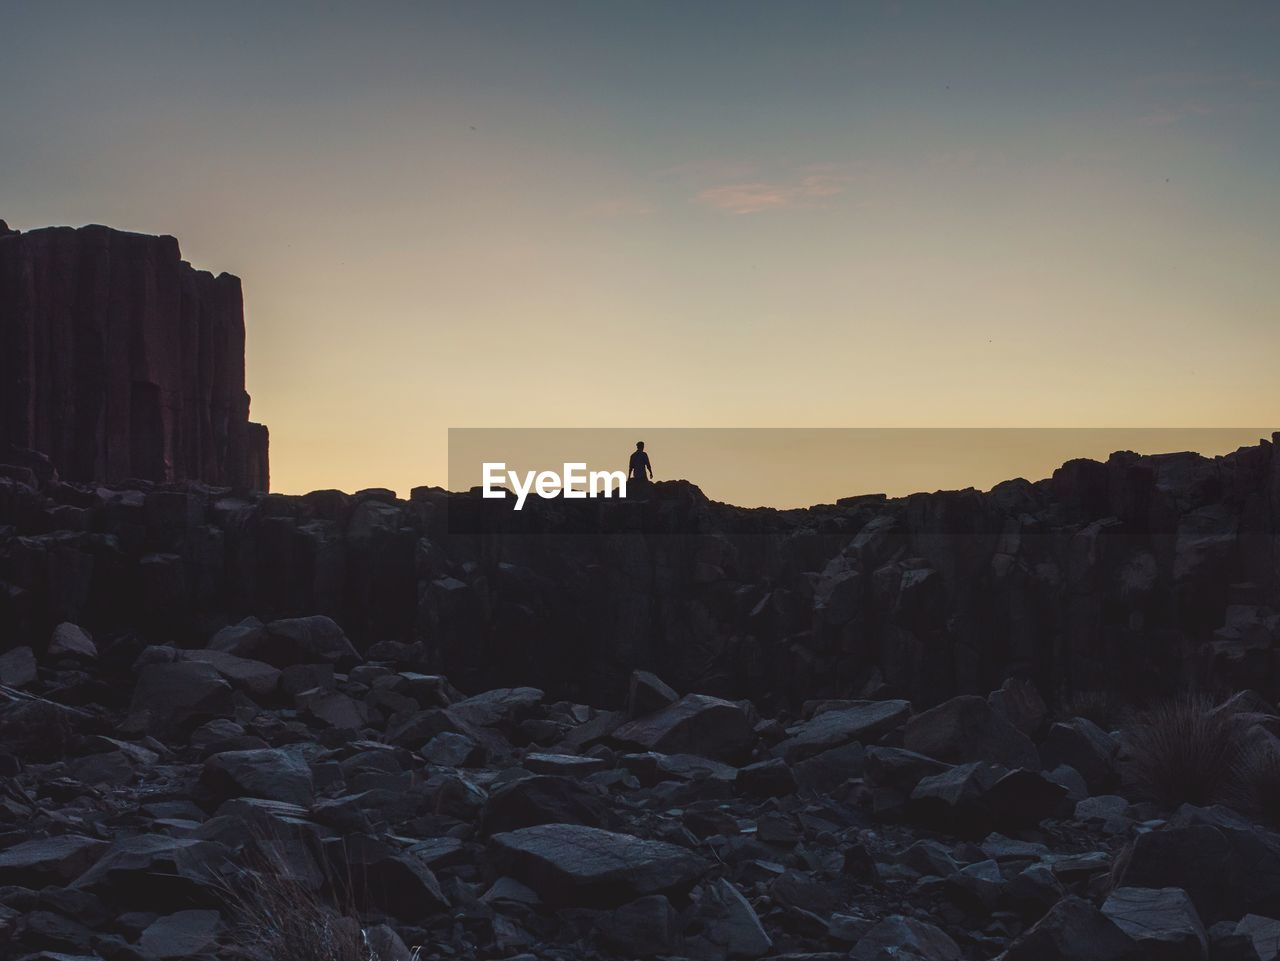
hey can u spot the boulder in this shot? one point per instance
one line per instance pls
(449, 749)
(901, 936)
(18, 667)
(966, 729)
(641, 928)
(43, 861)
(70, 640)
(864, 722)
(542, 799)
(1227, 866)
(183, 934)
(726, 924)
(505, 705)
(571, 864)
(1074, 930)
(296, 640)
(1019, 703)
(1161, 921)
(255, 678)
(275, 774)
(1263, 933)
(771, 778)
(1082, 745)
(154, 872)
(695, 724)
(386, 879)
(181, 694)
(648, 693)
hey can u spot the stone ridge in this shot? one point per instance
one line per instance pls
(119, 360)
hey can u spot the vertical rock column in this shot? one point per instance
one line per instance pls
(119, 360)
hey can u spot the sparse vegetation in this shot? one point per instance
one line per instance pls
(1187, 751)
(275, 918)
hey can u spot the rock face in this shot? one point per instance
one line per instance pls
(119, 360)
(1138, 575)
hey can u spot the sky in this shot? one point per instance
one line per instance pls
(721, 214)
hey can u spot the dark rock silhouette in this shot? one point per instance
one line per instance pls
(119, 360)
(1141, 575)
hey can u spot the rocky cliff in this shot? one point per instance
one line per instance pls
(119, 360)
(1143, 574)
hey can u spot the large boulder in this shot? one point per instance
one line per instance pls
(1019, 703)
(18, 667)
(966, 729)
(571, 864)
(294, 640)
(387, 879)
(271, 773)
(541, 799)
(1074, 930)
(43, 861)
(648, 693)
(1081, 744)
(182, 694)
(71, 640)
(504, 705)
(253, 677)
(1162, 921)
(154, 872)
(695, 724)
(1226, 865)
(901, 936)
(183, 934)
(726, 925)
(862, 722)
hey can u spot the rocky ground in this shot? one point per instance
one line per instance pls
(159, 802)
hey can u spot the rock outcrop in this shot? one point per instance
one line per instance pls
(119, 360)
(1141, 575)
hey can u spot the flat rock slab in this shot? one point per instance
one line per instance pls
(1163, 921)
(271, 773)
(1264, 933)
(571, 864)
(43, 861)
(863, 722)
(695, 724)
(1073, 930)
(898, 935)
(181, 935)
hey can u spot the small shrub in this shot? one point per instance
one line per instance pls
(278, 919)
(1185, 751)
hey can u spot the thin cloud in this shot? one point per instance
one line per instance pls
(752, 197)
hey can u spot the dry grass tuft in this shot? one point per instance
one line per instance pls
(278, 919)
(1184, 751)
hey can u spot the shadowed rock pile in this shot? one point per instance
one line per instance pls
(1142, 575)
(190, 792)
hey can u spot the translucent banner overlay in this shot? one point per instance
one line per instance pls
(783, 468)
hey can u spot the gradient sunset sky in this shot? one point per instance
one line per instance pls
(682, 214)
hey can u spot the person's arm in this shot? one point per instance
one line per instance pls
(648, 466)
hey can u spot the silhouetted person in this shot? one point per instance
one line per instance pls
(640, 471)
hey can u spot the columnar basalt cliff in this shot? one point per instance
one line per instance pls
(119, 360)
(1143, 574)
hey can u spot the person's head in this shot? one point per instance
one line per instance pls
(639, 445)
